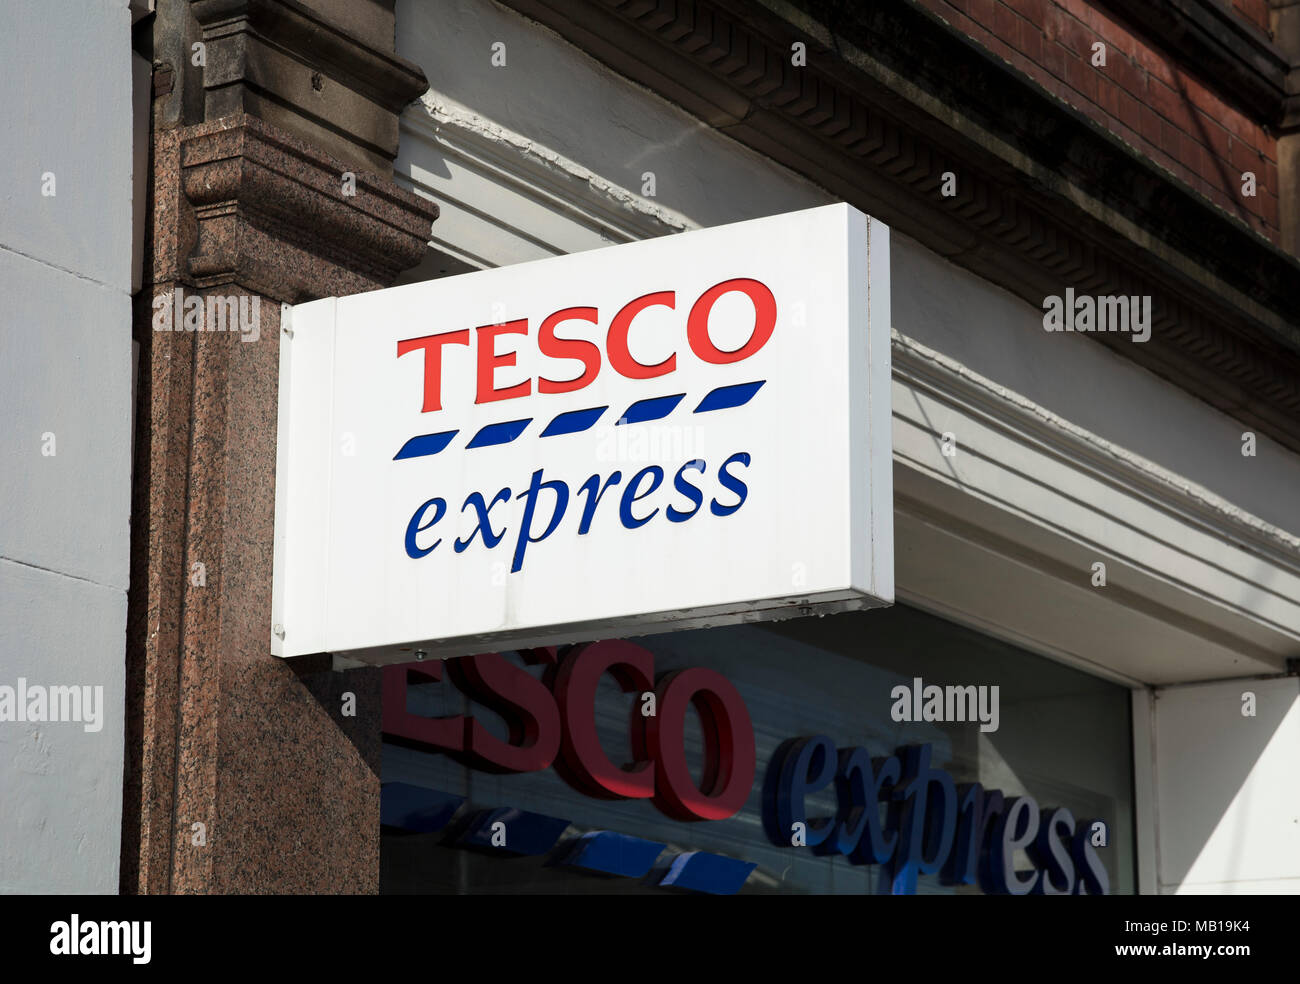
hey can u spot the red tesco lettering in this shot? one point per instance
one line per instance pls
(617, 350)
(552, 721)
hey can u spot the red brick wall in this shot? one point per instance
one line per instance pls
(1141, 95)
(1253, 11)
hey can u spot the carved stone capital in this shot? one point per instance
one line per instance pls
(281, 218)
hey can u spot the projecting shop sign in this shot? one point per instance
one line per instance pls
(687, 431)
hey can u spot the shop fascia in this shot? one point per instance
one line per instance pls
(411, 448)
(964, 834)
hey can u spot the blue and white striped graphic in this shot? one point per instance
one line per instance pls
(577, 421)
(418, 809)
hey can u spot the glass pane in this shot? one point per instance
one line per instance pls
(1062, 737)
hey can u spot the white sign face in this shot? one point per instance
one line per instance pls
(681, 432)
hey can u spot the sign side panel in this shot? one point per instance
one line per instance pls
(279, 553)
(879, 385)
(303, 479)
(872, 411)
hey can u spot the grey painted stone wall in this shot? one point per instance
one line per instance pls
(65, 442)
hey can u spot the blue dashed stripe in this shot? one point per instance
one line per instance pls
(418, 447)
(700, 871)
(502, 433)
(577, 421)
(614, 853)
(653, 409)
(415, 808)
(526, 834)
(574, 421)
(726, 397)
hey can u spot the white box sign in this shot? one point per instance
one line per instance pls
(687, 431)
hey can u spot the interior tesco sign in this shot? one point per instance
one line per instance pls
(682, 432)
(964, 834)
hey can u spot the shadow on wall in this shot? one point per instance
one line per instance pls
(1227, 800)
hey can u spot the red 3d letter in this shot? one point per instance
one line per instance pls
(729, 757)
(586, 765)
